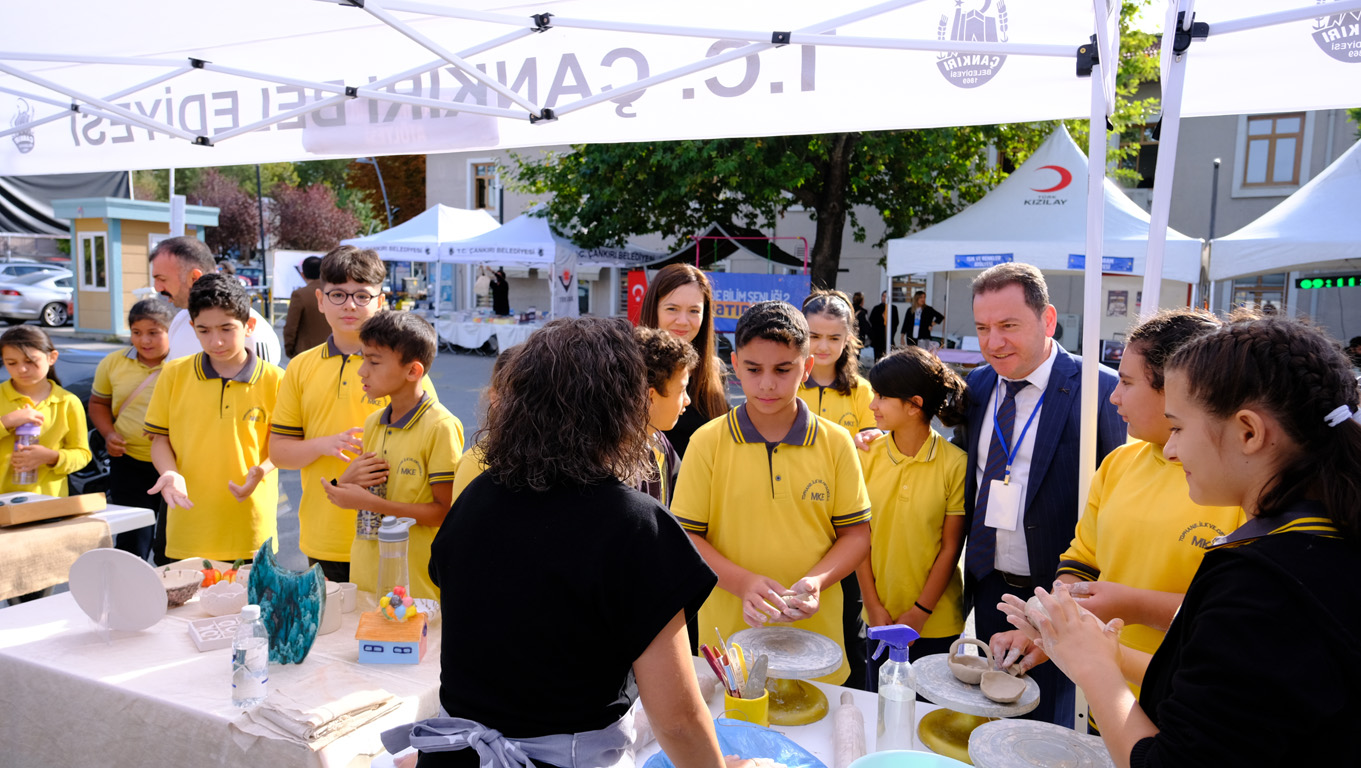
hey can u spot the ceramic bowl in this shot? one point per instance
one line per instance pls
(223, 598)
(969, 669)
(180, 585)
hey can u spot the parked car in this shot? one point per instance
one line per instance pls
(18, 268)
(41, 296)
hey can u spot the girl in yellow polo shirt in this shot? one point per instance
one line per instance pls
(1141, 538)
(835, 390)
(915, 479)
(33, 395)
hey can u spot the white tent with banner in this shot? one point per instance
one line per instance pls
(1318, 227)
(420, 238)
(1038, 216)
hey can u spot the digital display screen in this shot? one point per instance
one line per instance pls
(1335, 281)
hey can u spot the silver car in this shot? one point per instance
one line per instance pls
(41, 296)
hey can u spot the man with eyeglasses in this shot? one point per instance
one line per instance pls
(176, 263)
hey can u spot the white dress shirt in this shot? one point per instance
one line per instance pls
(1012, 556)
(184, 341)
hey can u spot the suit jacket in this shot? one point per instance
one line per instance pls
(306, 326)
(1051, 501)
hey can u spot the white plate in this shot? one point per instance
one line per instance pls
(117, 589)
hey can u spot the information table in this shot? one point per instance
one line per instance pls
(39, 555)
(470, 335)
(151, 698)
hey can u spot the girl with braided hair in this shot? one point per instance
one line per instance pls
(1263, 416)
(915, 479)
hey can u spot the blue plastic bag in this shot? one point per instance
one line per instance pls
(747, 740)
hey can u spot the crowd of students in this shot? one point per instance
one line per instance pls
(825, 500)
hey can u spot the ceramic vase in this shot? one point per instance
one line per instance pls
(291, 605)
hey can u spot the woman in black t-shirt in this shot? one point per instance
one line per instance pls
(562, 586)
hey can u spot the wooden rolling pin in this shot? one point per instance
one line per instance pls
(848, 732)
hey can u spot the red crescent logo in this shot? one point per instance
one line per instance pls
(1065, 178)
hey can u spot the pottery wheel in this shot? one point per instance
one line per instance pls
(1025, 743)
(932, 678)
(792, 654)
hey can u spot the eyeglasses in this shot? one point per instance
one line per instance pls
(361, 298)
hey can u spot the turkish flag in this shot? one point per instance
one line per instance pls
(637, 287)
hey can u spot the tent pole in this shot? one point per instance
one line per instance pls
(1285, 17)
(1163, 174)
(1091, 306)
(66, 109)
(127, 115)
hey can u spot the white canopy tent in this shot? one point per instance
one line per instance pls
(420, 238)
(1038, 216)
(1318, 227)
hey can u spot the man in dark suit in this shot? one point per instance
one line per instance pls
(1022, 436)
(306, 326)
(881, 329)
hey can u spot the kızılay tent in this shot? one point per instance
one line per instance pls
(1317, 227)
(1038, 216)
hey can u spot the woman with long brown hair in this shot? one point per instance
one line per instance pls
(679, 300)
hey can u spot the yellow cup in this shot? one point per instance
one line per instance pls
(752, 710)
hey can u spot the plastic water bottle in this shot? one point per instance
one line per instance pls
(26, 434)
(897, 727)
(250, 660)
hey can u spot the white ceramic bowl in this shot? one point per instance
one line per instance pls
(180, 585)
(223, 598)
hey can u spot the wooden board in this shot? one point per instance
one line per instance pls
(39, 507)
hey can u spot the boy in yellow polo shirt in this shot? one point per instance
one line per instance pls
(317, 426)
(411, 451)
(209, 425)
(772, 494)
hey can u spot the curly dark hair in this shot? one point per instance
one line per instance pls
(571, 408)
(706, 382)
(214, 291)
(1160, 336)
(664, 353)
(775, 321)
(913, 372)
(835, 304)
(1299, 375)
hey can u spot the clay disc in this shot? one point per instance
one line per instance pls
(794, 654)
(1028, 744)
(932, 678)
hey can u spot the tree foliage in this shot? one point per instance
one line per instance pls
(309, 219)
(238, 220)
(404, 179)
(602, 194)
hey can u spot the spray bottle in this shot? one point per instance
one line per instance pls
(897, 700)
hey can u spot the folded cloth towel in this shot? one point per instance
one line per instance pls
(294, 718)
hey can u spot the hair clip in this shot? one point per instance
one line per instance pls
(1340, 414)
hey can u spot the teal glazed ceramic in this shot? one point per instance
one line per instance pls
(290, 603)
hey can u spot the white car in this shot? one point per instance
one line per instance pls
(16, 268)
(41, 296)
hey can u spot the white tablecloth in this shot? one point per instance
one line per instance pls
(473, 335)
(152, 699)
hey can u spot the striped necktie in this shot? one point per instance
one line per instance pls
(979, 556)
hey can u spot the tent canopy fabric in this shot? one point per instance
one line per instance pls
(422, 237)
(26, 201)
(529, 241)
(1317, 227)
(1038, 216)
(723, 240)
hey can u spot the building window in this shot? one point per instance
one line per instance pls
(484, 187)
(94, 262)
(1145, 162)
(1264, 293)
(1275, 149)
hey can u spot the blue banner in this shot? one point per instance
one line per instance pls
(734, 293)
(980, 260)
(1108, 263)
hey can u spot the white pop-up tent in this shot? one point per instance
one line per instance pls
(1317, 227)
(1038, 216)
(421, 237)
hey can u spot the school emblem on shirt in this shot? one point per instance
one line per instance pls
(255, 415)
(850, 422)
(409, 468)
(817, 491)
(1201, 534)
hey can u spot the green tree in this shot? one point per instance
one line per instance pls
(601, 194)
(1355, 116)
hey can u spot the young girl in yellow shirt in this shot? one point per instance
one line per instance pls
(915, 479)
(33, 395)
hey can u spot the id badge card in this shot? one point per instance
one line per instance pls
(1004, 505)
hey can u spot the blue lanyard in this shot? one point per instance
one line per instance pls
(1010, 453)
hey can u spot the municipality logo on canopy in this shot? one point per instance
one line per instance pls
(1339, 35)
(970, 70)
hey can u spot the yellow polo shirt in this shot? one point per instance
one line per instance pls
(850, 411)
(772, 508)
(322, 395)
(219, 429)
(422, 449)
(63, 431)
(1141, 529)
(118, 374)
(911, 497)
(469, 467)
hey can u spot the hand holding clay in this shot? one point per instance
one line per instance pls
(761, 600)
(1075, 639)
(1015, 651)
(802, 600)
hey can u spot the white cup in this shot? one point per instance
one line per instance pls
(330, 618)
(349, 595)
